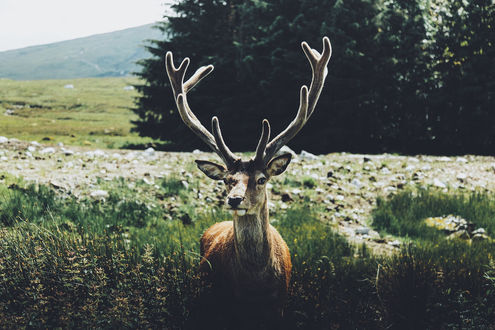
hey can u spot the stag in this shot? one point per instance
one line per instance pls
(247, 257)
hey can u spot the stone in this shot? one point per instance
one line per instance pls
(100, 194)
(67, 152)
(356, 183)
(48, 150)
(287, 197)
(478, 231)
(395, 243)
(438, 183)
(3, 139)
(461, 234)
(307, 155)
(285, 150)
(149, 152)
(362, 231)
(479, 237)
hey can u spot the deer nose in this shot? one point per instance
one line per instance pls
(235, 201)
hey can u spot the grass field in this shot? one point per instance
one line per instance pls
(131, 261)
(96, 112)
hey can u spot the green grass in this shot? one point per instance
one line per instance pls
(95, 113)
(131, 260)
(404, 214)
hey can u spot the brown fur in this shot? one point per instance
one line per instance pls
(246, 259)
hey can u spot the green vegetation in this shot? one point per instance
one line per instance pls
(93, 113)
(404, 214)
(130, 260)
(111, 54)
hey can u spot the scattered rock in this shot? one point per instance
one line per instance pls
(3, 139)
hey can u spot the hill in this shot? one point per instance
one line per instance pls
(102, 55)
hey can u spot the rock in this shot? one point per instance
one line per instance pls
(3, 139)
(287, 197)
(461, 234)
(307, 155)
(36, 143)
(461, 160)
(196, 151)
(478, 231)
(60, 144)
(461, 177)
(362, 231)
(444, 159)
(148, 181)
(385, 170)
(438, 183)
(31, 148)
(356, 183)
(67, 152)
(100, 194)
(48, 150)
(395, 243)
(129, 88)
(285, 150)
(296, 191)
(479, 237)
(149, 152)
(69, 86)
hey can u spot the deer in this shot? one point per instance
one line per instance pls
(247, 256)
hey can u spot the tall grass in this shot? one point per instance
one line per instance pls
(403, 214)
(112, 264)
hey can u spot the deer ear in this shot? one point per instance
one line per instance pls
(212, 170)
(278, 164)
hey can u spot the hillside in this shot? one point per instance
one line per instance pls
(102, 55)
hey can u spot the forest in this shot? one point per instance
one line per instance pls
(405, 76)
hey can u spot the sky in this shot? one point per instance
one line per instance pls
(35, 22)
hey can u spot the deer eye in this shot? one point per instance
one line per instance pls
(261, 181)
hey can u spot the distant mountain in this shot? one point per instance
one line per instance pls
(102, 55)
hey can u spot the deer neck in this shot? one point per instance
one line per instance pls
(251, 239)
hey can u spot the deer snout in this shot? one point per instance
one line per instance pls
(235, 201)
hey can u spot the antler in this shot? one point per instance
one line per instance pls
(180, 89)
(265, 151)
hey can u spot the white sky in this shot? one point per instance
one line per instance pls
(34, 22)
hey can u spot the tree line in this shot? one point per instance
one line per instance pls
(405, 76)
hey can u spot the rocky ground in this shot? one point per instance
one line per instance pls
(345, 185)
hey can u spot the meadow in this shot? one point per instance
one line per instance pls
(95, 112)
(129, 260)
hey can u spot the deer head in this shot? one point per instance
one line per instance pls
(246, 179)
